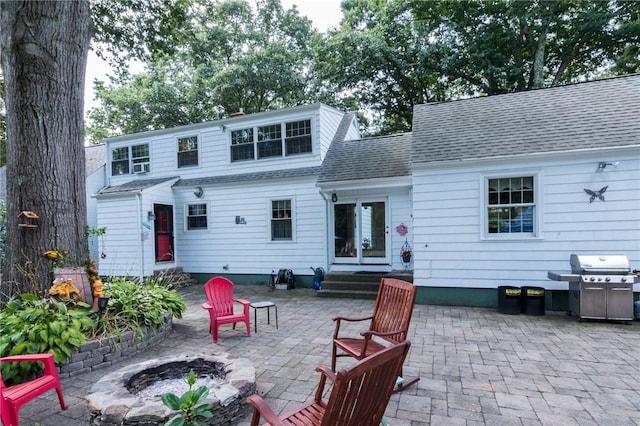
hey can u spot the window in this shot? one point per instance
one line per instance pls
(242, 145)
(197, 216)
(260, 142)
(281, 222)
(120, 161)
(140, 158)
(270, 141)
(298, 138)
(188, 151)
(511, 205)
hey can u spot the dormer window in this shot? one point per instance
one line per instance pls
(256, 143)
(187, 151)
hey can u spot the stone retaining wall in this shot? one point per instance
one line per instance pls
(96, 354)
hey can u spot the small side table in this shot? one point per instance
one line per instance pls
(262, 305)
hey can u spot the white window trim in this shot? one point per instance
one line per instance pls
(537, 199)
(293, 219)
(186, 217)
(283, 132)
(177, 145)
(130, 157)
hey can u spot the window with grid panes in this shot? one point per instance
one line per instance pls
(120, 161)
(281, 220)
(188, 151)
(298, 137)
(511, 205)
(196, 216)
(270, 141)
(242, 145)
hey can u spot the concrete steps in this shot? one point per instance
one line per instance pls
(357, 285)
(175, 276)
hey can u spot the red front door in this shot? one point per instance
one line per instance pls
(164, 232)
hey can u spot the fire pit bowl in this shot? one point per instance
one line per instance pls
(131, 395)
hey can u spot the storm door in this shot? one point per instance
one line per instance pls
(163, 228)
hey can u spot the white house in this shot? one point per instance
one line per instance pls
(486, 192)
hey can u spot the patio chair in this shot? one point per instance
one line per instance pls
(389, 325)
(14, 397)
(220, 305)
(359, 394)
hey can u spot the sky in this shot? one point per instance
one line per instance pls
(323, 13)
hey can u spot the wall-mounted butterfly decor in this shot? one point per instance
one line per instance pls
(596, 194)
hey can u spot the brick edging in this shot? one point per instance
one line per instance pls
(97, 354)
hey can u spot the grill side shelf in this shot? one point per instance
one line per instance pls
(563, 276)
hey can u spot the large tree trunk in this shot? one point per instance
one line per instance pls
(44, 47)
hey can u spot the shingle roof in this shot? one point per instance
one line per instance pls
(135, 185)
(602, 113)
(381, 157)
(247, 177)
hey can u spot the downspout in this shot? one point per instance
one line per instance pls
(323, 194)
(140, 241)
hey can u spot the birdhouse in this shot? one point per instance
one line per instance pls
(27, 219)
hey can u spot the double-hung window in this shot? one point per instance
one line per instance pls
(511, 205)
(298, 140)
(256, 143)
(187, 151)
(242, 145)
(270, 141)
(196, 216)
(120, 161)
(281, 220)
(130, 159)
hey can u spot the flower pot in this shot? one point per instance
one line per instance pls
(406, 258)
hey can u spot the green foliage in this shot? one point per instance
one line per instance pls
(33, 325)
(189, 404)
(133, 306)
(231, 58)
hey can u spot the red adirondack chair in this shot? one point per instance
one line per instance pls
(13, 397)
(220, 305)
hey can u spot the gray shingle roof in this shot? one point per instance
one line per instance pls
(602, 113)
(135, 185)
(248, 177)
(381, 157)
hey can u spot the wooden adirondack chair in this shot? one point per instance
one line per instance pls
(13, 397)
(220, 305)
(389, 325)
(359, 396)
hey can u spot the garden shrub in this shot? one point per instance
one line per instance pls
(30, 324)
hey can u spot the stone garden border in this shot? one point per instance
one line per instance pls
(96, 354)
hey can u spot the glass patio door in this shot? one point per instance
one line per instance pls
(360, 232)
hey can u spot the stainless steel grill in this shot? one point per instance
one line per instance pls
(600, 287)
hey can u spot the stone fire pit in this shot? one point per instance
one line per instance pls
(118, 398)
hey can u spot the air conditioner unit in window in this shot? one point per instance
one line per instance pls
(141, 168)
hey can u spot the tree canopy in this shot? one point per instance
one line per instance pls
(384, 58)
(232, 58)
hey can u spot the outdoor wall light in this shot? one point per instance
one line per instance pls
(198, 191)
(334, 197)
(151, 216)
(603, 165)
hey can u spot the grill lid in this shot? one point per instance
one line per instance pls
(599, 264)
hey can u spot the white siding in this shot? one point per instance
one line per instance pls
(214, 143)
(246, 248)
(95, 181)
(451, 251)
(121, 218)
